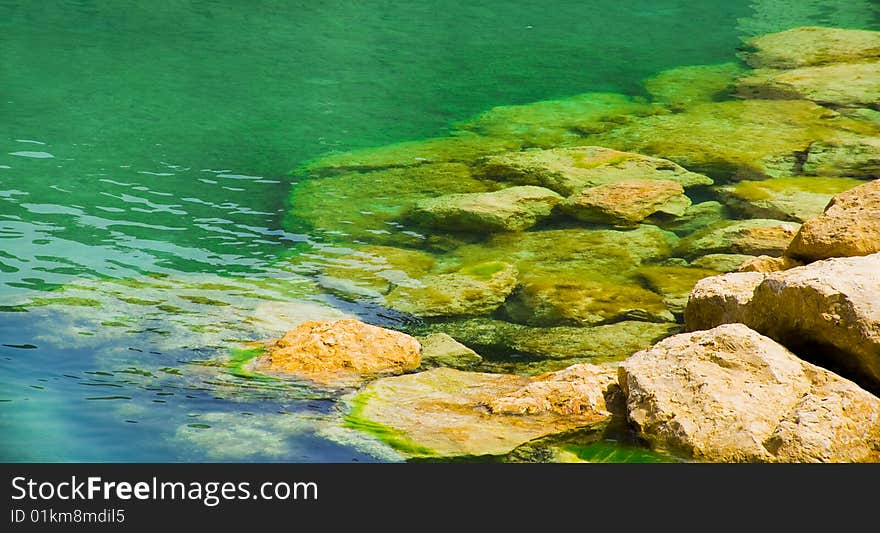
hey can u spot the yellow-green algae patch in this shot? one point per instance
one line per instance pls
(796, 198)
(681, 87)
(354, 419)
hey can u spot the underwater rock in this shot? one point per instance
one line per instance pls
(850, 226)
(681, 87)
(554, 301)
(812, 45)
(511, 209)
(439, 349)
(695, 217)
(751, 237)
(338, 351)
(796, 198)
(837, 85)
(446, 412)
(477, 289)
(627, 202)
(720, 300)
(845, 155)
(562, 122)
(673, 283)
(732, 395)
(463, 147)
(721, 262)
(765, 264)
(568, 170)
(746, 139)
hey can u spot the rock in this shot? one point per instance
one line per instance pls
(845, 155)
(746, 139)
(553, 302)
(681, 87)
(732, 395)
(338, 351)
(439, 349)
(796, 198)
(511, 209)
(752, 237)
(695, 217)
(463, 148)
(447, 412)
(838, 85)
(721, 262)
(475, 290)
(720, 300)
(849, 226)
(627, 202)
(568, 170)
(554, 123)
(811, 45)
(673, 283)
(765, 264)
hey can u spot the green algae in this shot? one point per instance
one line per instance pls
(681, 87)
(764, 190)
(238, 360)
(354, 419)
(71, 301)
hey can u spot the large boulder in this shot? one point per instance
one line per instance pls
(796, 198)
(338, 352)
(751, 237)
(720, 300)
(839, 85)
(730, 394)
(849, 226)
(447, 412)
(627, 202)
(812, 45)
(568, 170)
(511, 209)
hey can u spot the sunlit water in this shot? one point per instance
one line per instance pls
(152, 141)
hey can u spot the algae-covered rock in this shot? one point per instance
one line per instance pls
(463, 147)
(849, 226)
(673, 283)
(752, 237)
(721, 262)
(627, 202)
(681, 87)
(749, 139)
(732, 395)
(839, 85)
(562, 122)
(475, 290)
(439, 349)
(338, 351)
(511, 209)
(568, 170)
(695, 217)
(443, 412)
(554, 301)
(845, 155)
(796, 198)
(812, 45)
(720, 299)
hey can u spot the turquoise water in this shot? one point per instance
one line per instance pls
(156, 139)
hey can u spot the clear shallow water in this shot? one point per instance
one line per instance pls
(156, 139)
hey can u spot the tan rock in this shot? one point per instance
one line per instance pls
(811, 45)
(765, 264)
(752, 237)
(576, 391)
(839, 85)
(721, 262)
(850, 226)
(794, 198)
(439, 349)
(732, 395)
(720, 300)
(338, 351)
(627, 202)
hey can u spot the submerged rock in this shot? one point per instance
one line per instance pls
(439, 349)
(681, 87)
(845, 155)
(446, 412)
(695, 217)
(627, 202)
(339, 351)
(721, 262)
(478, 289)
(839, 85)
(673, 283)
(791, 198)
(850, 226)
(732, 395)
(812, 45)
(751, 237)
(511, 209)
(568, 170)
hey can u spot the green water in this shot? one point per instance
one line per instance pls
(156, 138)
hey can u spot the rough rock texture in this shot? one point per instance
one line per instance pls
(849, 226)
(475, 290)
(673, 283)
(627, 202)
(720, 300)
(811, 45)
(439, 349)
(335, 351)
(792, 198)
(511, 209)
(554, 302)
(568, 170)
(845, 155)
(443, 412)
(766, 264)
(751, 237)
(721, 262)
(839, 85)
(681, 87)
(732, 395)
